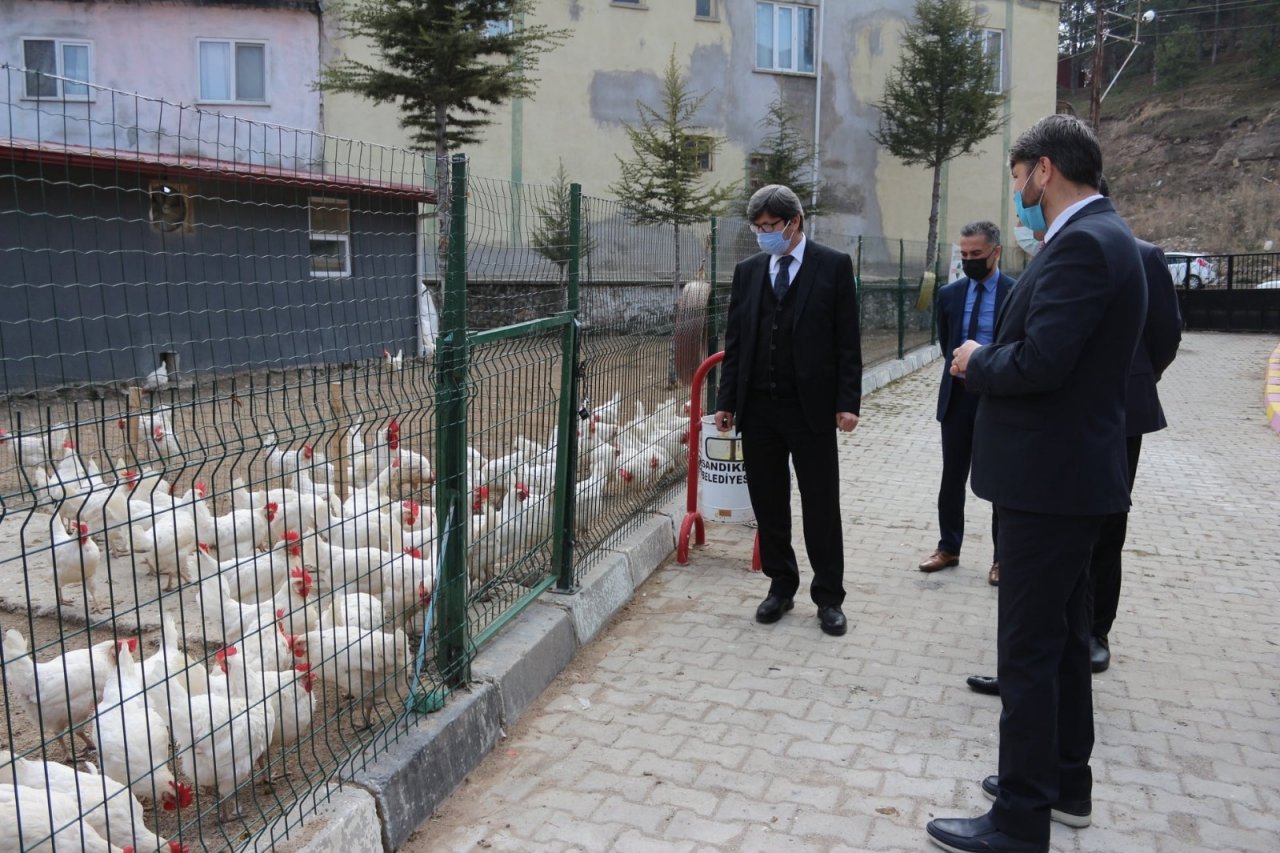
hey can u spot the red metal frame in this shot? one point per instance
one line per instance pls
(693, 522)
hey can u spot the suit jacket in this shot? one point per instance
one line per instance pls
(951, 329)
(1050, 430)
(828, 346)
(1160, 338)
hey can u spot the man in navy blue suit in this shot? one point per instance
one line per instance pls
(967, 309)
(1049, 452)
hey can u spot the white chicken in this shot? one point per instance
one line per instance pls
(133, 740)
(157, 425)
(75, 561)
(359, 609)
(366, 664)
(103, 803)
(38, 820)
(227, 733)
(295, 703)
(58, 693)
(171, 665)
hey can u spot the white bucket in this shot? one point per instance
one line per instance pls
(722, 476)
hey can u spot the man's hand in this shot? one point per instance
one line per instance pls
(960, 358)
(846, 421)
(724, 421)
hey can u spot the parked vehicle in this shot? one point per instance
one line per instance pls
(1191, 270)
(1273, 284)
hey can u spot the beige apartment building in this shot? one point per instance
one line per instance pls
(828, 59)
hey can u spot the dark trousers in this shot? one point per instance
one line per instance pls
(957, 453)
(1105, 567)
(1046, 724)
(776, 433)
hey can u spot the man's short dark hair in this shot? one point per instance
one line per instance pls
(1068, 142)
(984, 228)
(777, 200)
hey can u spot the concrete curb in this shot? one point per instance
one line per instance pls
(1271, 394)
(403, 787)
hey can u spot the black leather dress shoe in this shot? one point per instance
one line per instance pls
(772, 608)
(978, 835)
(1099, 654)
(1075, 813)
(833, 621)
(988, 684)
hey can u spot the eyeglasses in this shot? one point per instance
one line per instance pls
(769, 227)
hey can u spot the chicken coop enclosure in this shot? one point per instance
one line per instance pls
(259, 507)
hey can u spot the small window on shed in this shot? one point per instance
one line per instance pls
(330, 237)
(170, 207)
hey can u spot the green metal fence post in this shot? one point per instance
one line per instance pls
(902, 292)
(713, 317)
(453, 510)
(566, 521)
(857, 280)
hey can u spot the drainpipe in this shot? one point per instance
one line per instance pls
(817, 106)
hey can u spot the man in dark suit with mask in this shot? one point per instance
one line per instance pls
(1049, 452)
(967, 309)
(792, 377)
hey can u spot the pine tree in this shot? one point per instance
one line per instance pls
(938, 103)
(550, 236)
(445, 63)
(664, 183)
(785, 157)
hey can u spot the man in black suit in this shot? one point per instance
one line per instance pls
(1161, 335)
(967, 309)
(1049, 452)
(792, 377)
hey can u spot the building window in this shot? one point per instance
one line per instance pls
(705, 9)
(784, 37)
(171, 208)
(330, 237)
(233, 71)
(503, 27)
(702, 147)
(631, 4)
(756, 166)
(993, 46)
(49, 59)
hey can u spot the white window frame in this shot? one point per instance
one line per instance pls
(795, 9)
(59, 69)
(334, 236)
(997, 85)
(703, 145)
(713, 13)
(234, 42)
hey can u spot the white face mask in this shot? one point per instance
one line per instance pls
(1027, 240)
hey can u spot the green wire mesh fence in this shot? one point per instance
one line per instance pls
(285, 443)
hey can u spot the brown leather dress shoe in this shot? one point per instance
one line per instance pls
(993, 576)
(939, 560)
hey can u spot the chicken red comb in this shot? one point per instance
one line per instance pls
(158, 432)
(411, 505)
(272, 506)
(653, 462)
(279, 612)
(202, 489)
(131, 644)
(291, 536)
(83, 528)
(307, 451)
(302, 667)
(179, 798)
(121, 423)
(204, 546)
(416, 553)
(178, 847)
(68, 445)
(625, 475)
(223, 654)
(301, 573)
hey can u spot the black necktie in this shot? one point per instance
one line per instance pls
(975, 313)
(783, 279)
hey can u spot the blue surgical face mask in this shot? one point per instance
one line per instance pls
(774, 242)
(1033, 216)
(1026, 239)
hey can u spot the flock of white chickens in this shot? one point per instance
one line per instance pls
(293, 586)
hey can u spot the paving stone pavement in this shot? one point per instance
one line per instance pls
(687, 726)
